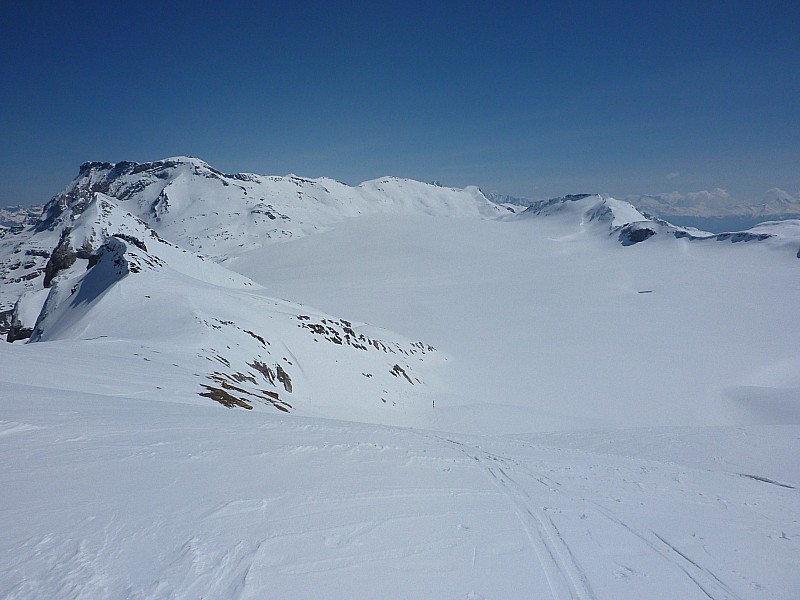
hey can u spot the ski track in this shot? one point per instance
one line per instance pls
(566, 578)
(355, 530)
(708, 583)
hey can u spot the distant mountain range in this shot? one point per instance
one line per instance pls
(713, 210)
(716, 211)
(776, 204)
(223, 217)
(15, 216)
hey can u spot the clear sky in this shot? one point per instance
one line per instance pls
(529, 98)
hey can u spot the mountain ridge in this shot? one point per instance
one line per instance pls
(223, 217)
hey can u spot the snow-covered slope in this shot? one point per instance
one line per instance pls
(225, 340)
(108, 494)
(551, 322)
(620, 395)
(65, 248)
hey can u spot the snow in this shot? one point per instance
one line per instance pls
(545, 318)
(559, 415)
(623, 212)
(127, 497)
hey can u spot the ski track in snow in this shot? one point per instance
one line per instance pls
(565, 576)
(409, 497)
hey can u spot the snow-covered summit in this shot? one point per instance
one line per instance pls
(589, 207)
(196, 206)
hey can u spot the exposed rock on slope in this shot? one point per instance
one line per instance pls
(216, 330)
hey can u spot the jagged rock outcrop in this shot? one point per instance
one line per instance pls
(6, 318)
(634, 233)
(17, 330)
(62, 257)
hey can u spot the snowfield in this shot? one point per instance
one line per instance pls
(121, 496)
(568, 401)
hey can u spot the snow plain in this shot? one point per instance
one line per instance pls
(609, 421)
(550, 323)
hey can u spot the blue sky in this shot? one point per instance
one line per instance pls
(529, 98)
